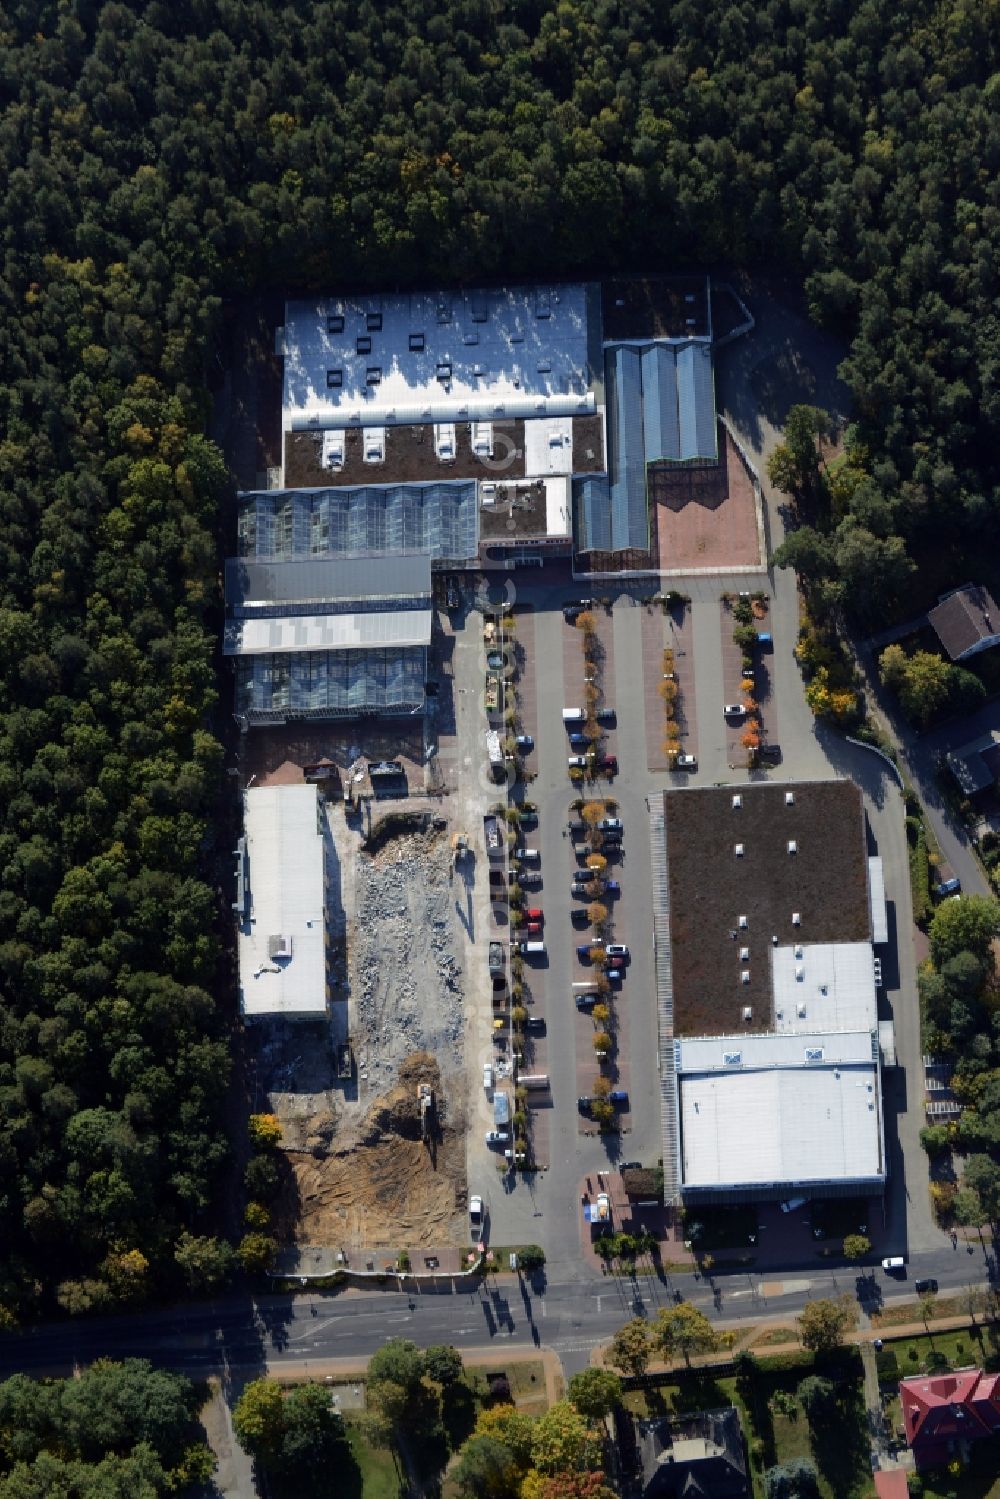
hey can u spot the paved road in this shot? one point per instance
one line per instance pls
(240, 1337)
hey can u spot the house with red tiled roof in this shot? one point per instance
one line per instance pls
(945, 1413)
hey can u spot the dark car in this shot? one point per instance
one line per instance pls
(925, 1287)
(583, 951)
(579, 742)
(770, 754)
(612, 887)
(577, 827)
(619, 1097)
(584, 1104)
(578, 916)
(535, 1023)
(630, 1166)
(609, 764)
(605, 715)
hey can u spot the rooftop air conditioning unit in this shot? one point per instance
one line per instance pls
(747, 1012)
(796, 918)
(800, 972)
(279, 947)
(737, 802)
(742, 923)
(738, 850)
(802, 1012)
(793, 847)
(789, 798)
(745, 976)
(798, 952)
(744, 954)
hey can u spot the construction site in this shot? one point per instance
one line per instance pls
(372, 1100)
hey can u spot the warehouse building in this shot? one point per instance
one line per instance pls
(280, 905)
(767, 983)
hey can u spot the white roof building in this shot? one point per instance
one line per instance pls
(280, 905)
(441, 357)
(775, 1113)
(824, 986)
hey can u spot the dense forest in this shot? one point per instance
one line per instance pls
(161, 160)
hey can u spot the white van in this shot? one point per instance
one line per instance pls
(532, 949)
(529, 856)
(894, 1264)
(573, 715)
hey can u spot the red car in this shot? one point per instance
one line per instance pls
(534, 928)
(534, 914)
(609, 764)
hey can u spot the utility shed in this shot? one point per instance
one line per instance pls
(281, 923)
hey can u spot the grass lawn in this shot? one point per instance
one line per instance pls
(527, 1385)
(911, 1311)
(376, 1476)
(966, 1346)
(773, 1336)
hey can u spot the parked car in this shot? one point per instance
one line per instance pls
(926, 1287)
(617, 950)
(524, 742)
(578, 916)
(614, 975)
(734, 710)
(476, 1212)
(611, 825)
(578, 891)
(584, 1104)
(526, 876)
(577, 827)
(605, 715)
(535, 1023)
(630, 1166)
(579, 742)
(686, 762)
(609, 764)
(769, 754)
(948, 887)
(619, 1097)
(585, 1001)
(535, 913)
(496, 1137)
(529, 856)
(792, 1204)
(534, 928)
(487, 1075)
(529, 818)
(576, 762)
(583, 951)
(612, 887)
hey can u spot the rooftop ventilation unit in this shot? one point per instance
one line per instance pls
(793, 847)
(334, 378)
(745, 976)
(373, 322)
(742, 923)
(279, 947)
(796, 918)
(417, 342)
(814, 1053)
(747, 1012)
(744, 954)
(363, 344)
(802, 1012)
(738, 850)
(824, 988)
(737, 802)
(800, 972)
(732, 1058)
(335, 323)
(774, 939)
(789, 798)
(798, 952)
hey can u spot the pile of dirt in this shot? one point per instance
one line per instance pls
(379, 1184)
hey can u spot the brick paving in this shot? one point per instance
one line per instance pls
(706, 517)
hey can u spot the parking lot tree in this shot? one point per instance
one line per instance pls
(592, 812)
(683, 1329)
(601, 1015)
(601, 1088)
(597, 862)
(856, 1246)
(595, 1392)
(585, 622)
(824, 1322)
(631, 1348)
(597, 913)
(602, 1043)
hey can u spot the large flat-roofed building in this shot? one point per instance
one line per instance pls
(767, 992)
(751, 868)
(280, 904)
(328, 637)
(762, 1114)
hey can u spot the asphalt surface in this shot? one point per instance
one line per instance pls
(240, 1337)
